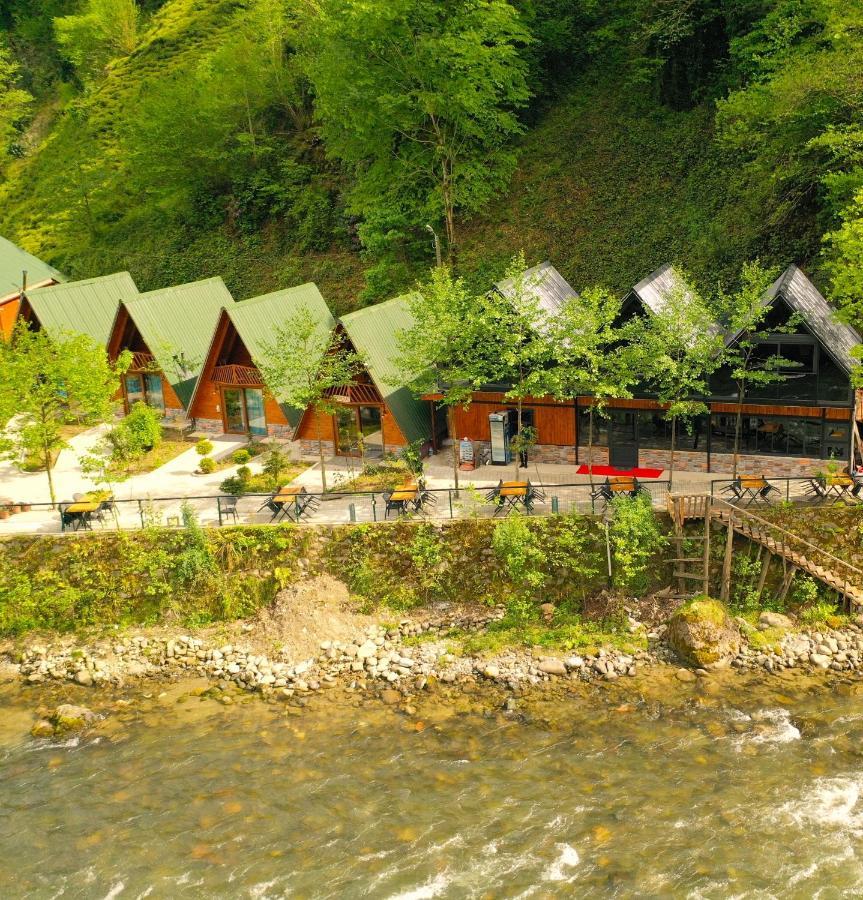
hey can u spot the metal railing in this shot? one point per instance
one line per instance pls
(792, 489)
(333, 507)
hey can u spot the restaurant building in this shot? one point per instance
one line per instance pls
(231, 396)
(168, 333)
(791, 427)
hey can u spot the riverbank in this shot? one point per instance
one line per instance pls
(314, 641)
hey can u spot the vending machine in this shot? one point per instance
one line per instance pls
(500, 425)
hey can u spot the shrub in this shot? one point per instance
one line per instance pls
(275, 463)
(241, 456)
(515, 545)
(136, 434)
(635, 540)
(818, 613)
(204, 447)
(207, 465)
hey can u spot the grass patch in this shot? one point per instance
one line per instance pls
(263, 483)
(574, 633)
(382, 477)
(168, 449)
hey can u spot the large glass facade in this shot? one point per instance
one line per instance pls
(810, 375)
(781, 436)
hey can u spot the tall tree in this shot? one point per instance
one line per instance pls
(681, 345)
(595, 357)
(14, 102)
(305, 365)
(48, 382)
(419, 98)
(445, 351)
(524, 347)
(744, 314)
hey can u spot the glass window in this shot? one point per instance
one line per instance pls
(153, 386)
(134, 389)
(833, 384)
(600, 429)
(255, 414)
(837, 440)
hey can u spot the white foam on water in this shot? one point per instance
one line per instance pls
(432, 888)
(115, 891)
(567, 859)
(774, 727)
(833, 802)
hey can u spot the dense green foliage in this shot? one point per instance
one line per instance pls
(272, 141)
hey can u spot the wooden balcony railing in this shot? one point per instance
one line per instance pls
(356, 393)
(143, 362)
(246, 376)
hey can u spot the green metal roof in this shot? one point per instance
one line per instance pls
(86, 307)
(177, 324)
(373, 332)
(257, 318)
(14, 261)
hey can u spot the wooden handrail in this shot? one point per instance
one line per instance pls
(796, 537)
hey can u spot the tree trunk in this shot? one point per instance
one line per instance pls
(321, 451)
(518, 436)
(450, 424)
(738, 422)
(449, 207)
(48, 461)
(590, 447)
(671, 460)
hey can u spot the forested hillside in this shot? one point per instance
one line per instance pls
(272, 141)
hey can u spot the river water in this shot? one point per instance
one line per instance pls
(742, 792)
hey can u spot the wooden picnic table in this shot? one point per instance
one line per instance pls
(84, 506)
(514, 489)
(78, 514)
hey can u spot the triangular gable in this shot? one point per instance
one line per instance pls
(837, 338)
(177, 324)
(14, 262)
(373, 331)
(257, 318)
(255, 322)
(551, 289)
(82, 307)
(653, 291)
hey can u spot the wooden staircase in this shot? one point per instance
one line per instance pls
(795, 551)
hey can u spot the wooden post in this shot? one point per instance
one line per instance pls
(762, 576)
(678, 540)
(786, 584)
(707, 550)
(726, 565)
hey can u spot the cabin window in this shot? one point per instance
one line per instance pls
(134, 389)
(153, 391)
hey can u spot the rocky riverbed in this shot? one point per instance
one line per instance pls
(397, 660)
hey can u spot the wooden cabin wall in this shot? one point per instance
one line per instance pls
(554, 422)
(8, 315)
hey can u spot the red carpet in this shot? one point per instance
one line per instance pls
(610, 470)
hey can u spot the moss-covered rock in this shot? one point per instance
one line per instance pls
(67, 719)
(702, 634)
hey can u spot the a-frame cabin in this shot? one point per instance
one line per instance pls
(231, 396)
(377, 414)
(78, 307)
(20, 271)
(168, 333)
